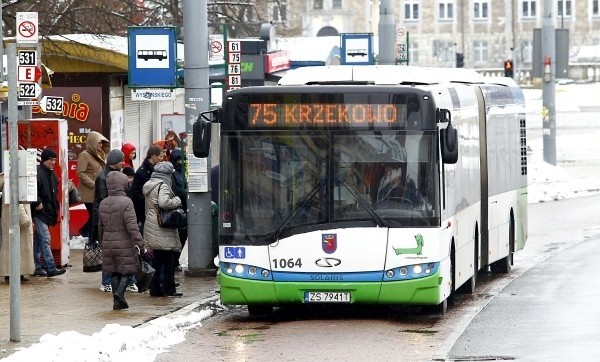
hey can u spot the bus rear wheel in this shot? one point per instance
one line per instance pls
(469, 286)
(504, 265)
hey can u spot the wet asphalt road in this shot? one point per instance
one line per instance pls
(550, 313)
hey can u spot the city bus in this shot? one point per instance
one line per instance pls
(389, 185)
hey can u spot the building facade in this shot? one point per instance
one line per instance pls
(486, 32)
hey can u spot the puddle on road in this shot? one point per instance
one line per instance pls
(420, 331)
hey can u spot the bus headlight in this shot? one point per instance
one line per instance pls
(252, 270)
(409, 272)
(265, 273)
(239, 269)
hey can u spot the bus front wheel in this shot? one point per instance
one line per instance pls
(256, 310)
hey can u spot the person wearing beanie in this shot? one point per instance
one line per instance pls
(90, 163)
(130, 154)
(47, 154)
(44, 214)
(163, 241)
(114, 162)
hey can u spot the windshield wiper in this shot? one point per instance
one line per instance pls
(365, 204)
(286, 222)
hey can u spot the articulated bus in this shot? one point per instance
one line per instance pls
(369, 185)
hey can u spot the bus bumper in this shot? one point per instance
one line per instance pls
(239, 291)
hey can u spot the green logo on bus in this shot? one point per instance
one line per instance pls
(416, 250)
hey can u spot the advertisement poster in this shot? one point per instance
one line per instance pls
(82, 108)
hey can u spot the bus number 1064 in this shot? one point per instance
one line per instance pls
(287, 263)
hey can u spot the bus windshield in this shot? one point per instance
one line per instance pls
(275, 184)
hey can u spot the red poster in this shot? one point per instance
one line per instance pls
(82, 108)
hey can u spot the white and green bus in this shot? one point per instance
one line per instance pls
(369, 184)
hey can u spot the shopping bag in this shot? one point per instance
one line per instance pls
(92, 257)
(172, 219)
(144, 274)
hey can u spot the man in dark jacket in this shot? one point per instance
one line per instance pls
(44, 214)
(114, 162)
(154, 155)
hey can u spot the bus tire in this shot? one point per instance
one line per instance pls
(504, 265)
(469, 286)
(257, 310)
(441, 308)
(451, 297)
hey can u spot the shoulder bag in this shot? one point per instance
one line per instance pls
(171, 219)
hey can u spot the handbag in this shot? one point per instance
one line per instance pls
(171, 219)
(74, 197)
(144, 274)
(92, 257)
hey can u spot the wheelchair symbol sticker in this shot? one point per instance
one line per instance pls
(235, 252)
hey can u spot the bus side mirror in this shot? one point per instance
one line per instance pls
(449, 144)
(201, 133)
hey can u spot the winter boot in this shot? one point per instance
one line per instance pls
(120, 293)
(114, 283)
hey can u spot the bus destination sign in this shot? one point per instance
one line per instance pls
(325, 115)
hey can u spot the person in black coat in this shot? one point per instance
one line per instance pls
(179, 188)
(45, 214)
(154, 155)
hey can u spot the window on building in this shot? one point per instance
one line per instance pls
(595, 7)
(279, 12)
(528, 9)
(411, 9)
(337, 4)
(563, 9)
(443, 51)
(413, 52)
(527, 51)
(480, 9)
(318, 4)
(480, 51)
(446, 10)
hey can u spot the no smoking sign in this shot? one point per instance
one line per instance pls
(27, 27)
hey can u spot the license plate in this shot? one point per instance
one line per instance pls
(327, 297)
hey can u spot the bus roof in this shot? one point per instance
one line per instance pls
(380, 75)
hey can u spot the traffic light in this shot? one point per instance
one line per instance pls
(508, 68)
(460, 60)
